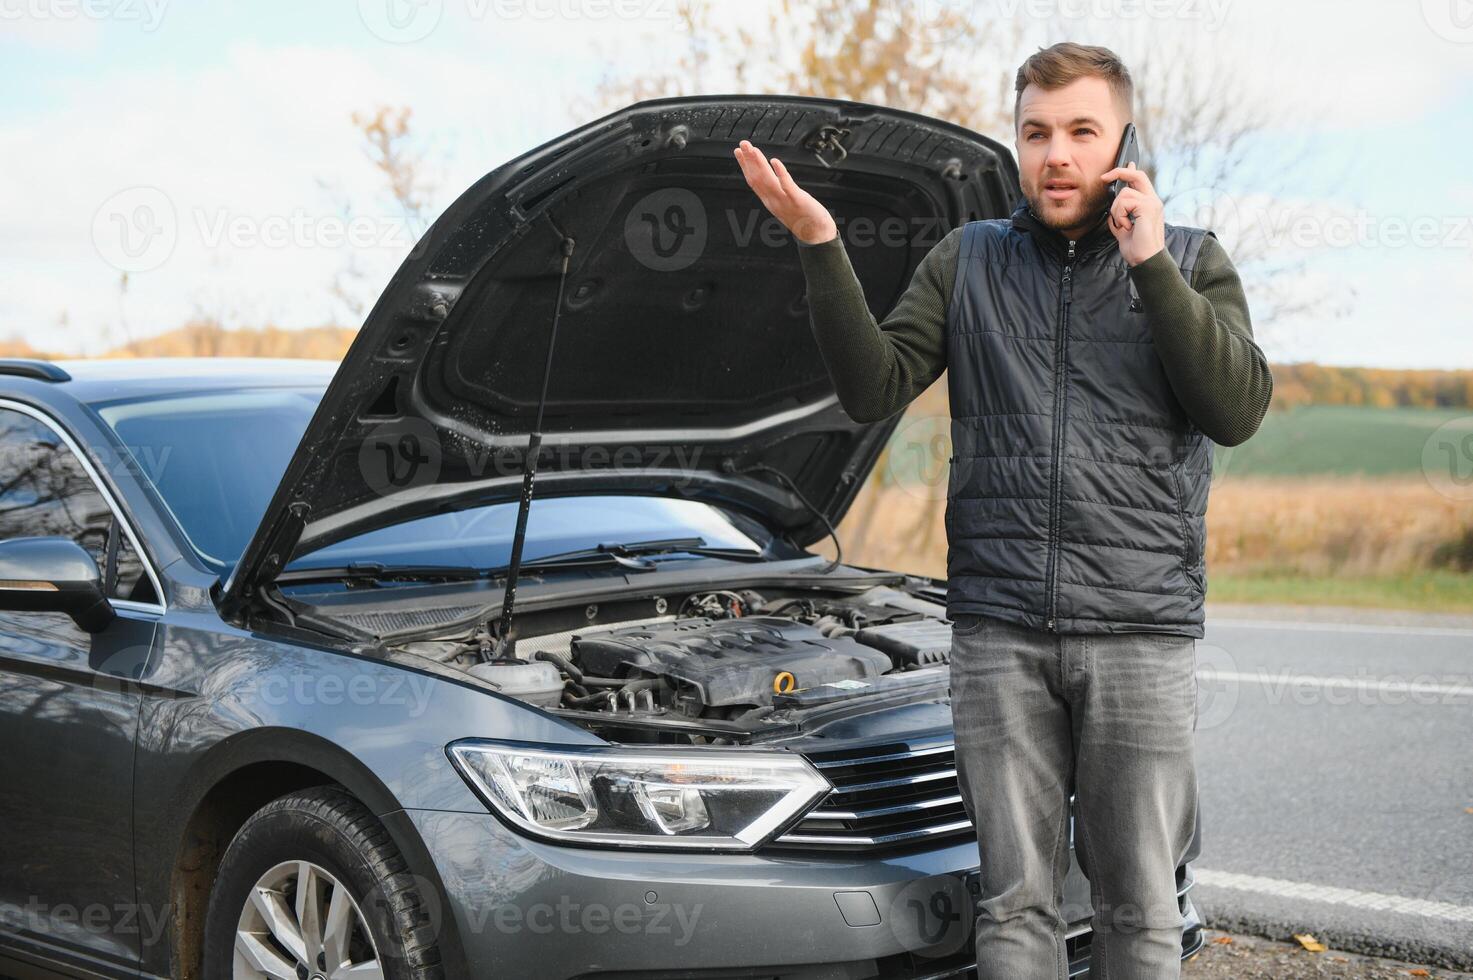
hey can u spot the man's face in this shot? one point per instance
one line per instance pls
(1068, 138)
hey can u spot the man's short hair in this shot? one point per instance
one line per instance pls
(1058, 65)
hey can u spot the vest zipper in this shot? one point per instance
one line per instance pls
(1055, 478)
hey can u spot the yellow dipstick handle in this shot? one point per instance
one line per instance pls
(783, 682)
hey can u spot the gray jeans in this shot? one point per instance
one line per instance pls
(1111, 718)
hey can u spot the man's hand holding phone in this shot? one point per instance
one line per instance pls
(798, 210)
(1137, 216)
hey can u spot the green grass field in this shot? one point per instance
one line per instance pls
(1324, 441)
(1311, 440)
(1318, 440)
(1424, 591)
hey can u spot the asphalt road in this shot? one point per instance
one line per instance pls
(1335, 762)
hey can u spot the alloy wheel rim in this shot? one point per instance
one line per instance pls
(301, 923)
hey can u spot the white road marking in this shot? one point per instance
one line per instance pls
(1268, 677)
(1334, 896)
(1293, 624)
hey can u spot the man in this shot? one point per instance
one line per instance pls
(1094, 353)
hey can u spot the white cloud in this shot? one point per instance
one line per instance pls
(237, 150)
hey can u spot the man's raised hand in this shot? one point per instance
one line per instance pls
(1137, 217)
(798, 210)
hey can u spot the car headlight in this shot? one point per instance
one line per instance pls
(715, 798)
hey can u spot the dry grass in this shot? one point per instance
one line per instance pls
(1299, 526)
(205, 339)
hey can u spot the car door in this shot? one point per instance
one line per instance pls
(69, 714)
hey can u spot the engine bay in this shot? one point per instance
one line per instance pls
(722, 666)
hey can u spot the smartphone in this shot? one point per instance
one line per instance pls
(1129, 152)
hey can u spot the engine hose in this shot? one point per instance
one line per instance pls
(579, 700)
(590, 681)
(562, 663)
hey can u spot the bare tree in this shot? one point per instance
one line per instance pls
(1202, 136)
(394, 150)
(876, 51)
(391, 149)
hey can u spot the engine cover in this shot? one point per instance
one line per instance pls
(723, 663)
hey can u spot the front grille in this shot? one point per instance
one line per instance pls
(884, 797)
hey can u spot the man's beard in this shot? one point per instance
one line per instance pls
(1081, 212)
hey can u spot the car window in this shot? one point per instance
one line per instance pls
(45, 491)
(216, 459)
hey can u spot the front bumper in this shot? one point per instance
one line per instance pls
(517, 907)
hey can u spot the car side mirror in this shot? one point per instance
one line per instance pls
(53, 574)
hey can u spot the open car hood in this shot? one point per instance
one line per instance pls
(684, 362)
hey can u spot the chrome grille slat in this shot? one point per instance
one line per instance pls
(899, 781)
(894, 838)
(889, 798)
(893, 756)
(883, 811)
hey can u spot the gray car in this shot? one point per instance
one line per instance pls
(496, 650)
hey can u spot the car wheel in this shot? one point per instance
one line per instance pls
(312, 888)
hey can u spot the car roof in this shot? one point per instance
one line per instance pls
(103, 379)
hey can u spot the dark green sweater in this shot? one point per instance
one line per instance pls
(1201, 331)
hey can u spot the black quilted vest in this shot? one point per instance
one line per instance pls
(1078, 490)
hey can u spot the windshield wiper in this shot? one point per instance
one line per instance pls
(631, 556)
(634, 555)
(379, 572)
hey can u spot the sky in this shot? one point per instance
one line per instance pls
(165, 160)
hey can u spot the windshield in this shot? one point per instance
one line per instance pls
(217, 458)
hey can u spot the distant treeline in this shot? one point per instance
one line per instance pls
(1300, 383)
(1308, 383)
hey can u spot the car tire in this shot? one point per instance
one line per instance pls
(327, 837)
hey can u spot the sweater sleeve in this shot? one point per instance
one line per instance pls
(878, 368)
(1204, 337)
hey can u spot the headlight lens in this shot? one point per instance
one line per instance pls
(728, 799)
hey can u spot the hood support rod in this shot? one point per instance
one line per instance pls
(529, 472)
